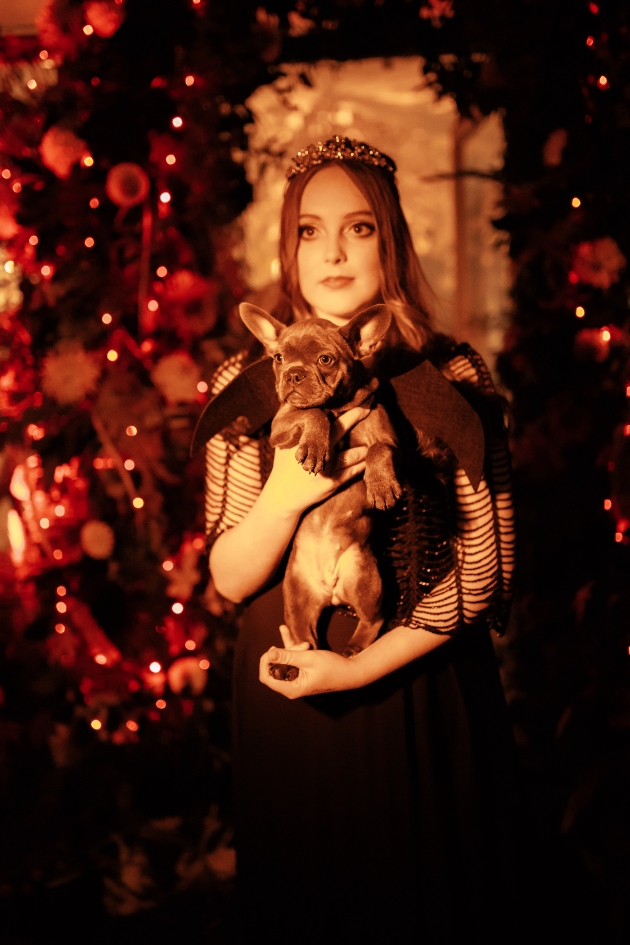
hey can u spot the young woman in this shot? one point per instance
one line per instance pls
(373, 794)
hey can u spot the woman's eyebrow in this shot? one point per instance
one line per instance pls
(347, 216)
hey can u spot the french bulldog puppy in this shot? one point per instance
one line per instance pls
(319, 375)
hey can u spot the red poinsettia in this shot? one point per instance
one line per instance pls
(598, 263)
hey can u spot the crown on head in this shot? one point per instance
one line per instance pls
(339, 149)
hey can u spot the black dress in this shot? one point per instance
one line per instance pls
(385, 813)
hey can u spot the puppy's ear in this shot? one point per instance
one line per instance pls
(262, 325)
(366, 329)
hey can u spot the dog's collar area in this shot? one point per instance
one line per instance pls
(363, 398)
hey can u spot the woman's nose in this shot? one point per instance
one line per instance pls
(335, 252)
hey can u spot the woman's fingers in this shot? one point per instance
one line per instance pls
(346, 421)
(348, 458)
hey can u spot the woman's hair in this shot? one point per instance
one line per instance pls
(404, 288)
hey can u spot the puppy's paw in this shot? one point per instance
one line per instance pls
(283, 672)
(382, 494)
(312, 457)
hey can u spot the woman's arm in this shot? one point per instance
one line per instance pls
(324, 671)
(245, 557)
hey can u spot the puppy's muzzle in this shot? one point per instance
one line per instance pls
(302, 388)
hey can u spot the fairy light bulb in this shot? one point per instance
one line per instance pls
(17, 538)
(576, 202)
(170, 159)
(112, 355)
(177, 121)
(18, 488)
(165, 197)
(580, 311)
(161, 271)
(101, 659)
(138, 503)
(155, 667)
(88, 30)
(106, 318)
(177, 608)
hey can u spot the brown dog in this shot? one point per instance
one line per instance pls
(319, 375)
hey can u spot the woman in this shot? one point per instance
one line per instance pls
(371, 792)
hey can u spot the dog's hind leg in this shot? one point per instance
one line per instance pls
(360, 585)
(303, 605)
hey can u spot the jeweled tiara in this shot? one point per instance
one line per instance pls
(339, 149)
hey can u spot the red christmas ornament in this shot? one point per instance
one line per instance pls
(127, 185)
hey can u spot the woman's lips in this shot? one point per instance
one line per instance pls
(337, 282)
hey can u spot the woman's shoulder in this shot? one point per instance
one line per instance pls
(459, 362)
(227, 371)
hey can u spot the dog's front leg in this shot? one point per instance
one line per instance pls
(382, 487)
(313, 450)
(310, 429)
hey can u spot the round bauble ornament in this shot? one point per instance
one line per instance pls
(104, 16)
(97, 539)
(127, 185)
(186, 671)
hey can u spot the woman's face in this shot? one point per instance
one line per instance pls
(338, 260)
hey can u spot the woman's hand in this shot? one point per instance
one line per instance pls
(319, 670)
(323, 671)
(290, 489)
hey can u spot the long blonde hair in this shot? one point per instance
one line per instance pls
(404, 287)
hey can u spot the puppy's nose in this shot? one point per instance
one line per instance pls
(296, 377)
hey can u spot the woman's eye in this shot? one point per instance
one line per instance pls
(306, 232)
(278, 358)
(362, 229)
(325, 359)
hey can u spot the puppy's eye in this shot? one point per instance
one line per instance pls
(325, 359)
(278, 358)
